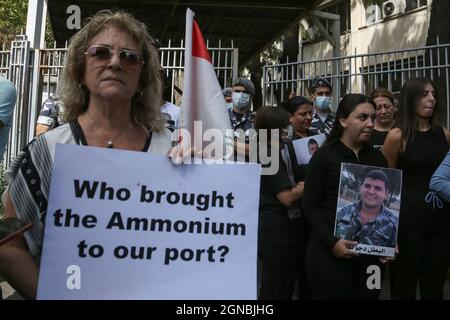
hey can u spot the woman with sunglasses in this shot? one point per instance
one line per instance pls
(334, 270)
(417, 145)
(111, 89)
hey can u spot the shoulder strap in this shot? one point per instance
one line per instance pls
(288, 162)
(77, 133)
(292, 155)
(148, 141)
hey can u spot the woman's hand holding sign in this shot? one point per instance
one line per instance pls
(342, 249)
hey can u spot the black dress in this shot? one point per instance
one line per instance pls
(377, 138)
(424, 230)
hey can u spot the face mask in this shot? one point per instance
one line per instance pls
(241, 100)
(323, 102)
(229, 105)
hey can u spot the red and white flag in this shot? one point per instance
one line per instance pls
(202, 102)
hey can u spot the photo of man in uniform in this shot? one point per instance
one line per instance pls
(368, 221)
(312, 146)
(306, 147)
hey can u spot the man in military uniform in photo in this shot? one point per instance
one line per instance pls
(368, 221)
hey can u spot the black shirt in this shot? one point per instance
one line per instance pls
(377, 138)
(322, 185)
(422, 157)
(295, 136)
(275, 227)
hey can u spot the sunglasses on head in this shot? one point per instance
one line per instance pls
(128, 58)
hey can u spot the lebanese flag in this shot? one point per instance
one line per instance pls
(202, 95)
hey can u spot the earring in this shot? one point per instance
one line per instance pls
(139, 95)
(82, 87)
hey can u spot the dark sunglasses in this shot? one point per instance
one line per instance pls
(128, 58)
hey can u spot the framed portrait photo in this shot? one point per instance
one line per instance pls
(368, 208)
(306, 147)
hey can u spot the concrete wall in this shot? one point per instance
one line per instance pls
(408, 30)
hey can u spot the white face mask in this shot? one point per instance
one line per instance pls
(229, 105)
(241, 100)
(323, 103)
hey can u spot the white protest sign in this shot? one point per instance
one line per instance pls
(129, 225)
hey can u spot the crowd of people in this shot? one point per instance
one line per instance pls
(112, 95)
(369, 131)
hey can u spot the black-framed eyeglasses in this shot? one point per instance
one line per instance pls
(128, 58)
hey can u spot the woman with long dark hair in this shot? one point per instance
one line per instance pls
(334, 271)
(417, 145)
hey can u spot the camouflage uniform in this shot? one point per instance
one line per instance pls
(317, 126)
(242, 121)
(51, 113)
(379, 232)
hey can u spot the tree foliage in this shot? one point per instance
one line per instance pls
(13, 18)
(285, 49)
(13, 21)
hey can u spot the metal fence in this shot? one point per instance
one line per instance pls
(224, 60)
(361, 73)
(36, 73)
(15, 65)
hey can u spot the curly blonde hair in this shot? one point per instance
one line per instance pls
(145, 107)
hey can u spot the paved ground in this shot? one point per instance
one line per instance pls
(10, 294)
(385, 292)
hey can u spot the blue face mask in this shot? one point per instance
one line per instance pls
(323, 102)
(241, 100)
(229, 105)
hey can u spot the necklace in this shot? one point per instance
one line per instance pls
(110, 139)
